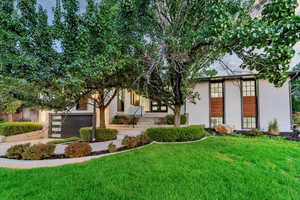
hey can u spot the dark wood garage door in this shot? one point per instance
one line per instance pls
(68, 125)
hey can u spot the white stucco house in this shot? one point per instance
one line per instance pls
(241, 101)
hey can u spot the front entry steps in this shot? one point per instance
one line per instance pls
(148, 121)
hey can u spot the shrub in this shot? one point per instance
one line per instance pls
(15, 128)
(70, 139)
(273, 127)
(17, 150)
(124, 119)
(112, 148)
(255, 132)
(38, 152)
(170, 119)
(102, 134)
(129, 141)
(78, 149)
(297, 118)
(172, 134)
(143, 139)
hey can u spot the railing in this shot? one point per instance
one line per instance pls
(140, 108)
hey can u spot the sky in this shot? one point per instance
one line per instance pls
(231, 61)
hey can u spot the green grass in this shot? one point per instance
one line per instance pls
(70, 139)
(222, 168)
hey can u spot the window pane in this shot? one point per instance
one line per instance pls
(248, 88)
(216, 90)
(249, 122)
(215, 121)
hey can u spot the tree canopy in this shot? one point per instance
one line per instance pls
(158, 47)
(186, 37)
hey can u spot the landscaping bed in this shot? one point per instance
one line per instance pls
(82, 148)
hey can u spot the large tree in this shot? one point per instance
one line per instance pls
(79, 55)
(185, 37)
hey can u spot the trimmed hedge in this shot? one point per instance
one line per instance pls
(15, 128)
(173, 134)
(102, 134)
(170, 119)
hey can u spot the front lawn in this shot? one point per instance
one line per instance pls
(221, 168)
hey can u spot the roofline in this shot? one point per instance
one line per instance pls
(241, 76)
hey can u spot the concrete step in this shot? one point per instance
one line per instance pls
(145, 123)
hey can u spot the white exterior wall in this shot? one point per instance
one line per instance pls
(274, 103)
(199, 112)
(233, 103)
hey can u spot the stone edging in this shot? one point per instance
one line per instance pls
(29, 164)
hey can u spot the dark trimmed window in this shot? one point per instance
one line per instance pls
(216, 104)
(249, 88)
(216, 89)
(249, 119)
(249, 122)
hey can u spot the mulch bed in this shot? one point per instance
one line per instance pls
(288, 136)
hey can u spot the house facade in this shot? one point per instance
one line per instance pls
(241, 101)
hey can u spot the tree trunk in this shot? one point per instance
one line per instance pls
(10, 117)
(102, 117)
(177, 115)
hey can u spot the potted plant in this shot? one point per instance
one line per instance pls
(273, 128)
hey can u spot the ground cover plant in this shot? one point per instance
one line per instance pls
(227, 168)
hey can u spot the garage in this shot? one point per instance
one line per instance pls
(68, 124)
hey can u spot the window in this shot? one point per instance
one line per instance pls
(134, 98)
(158, 107)
(216, 121)
(83, 104)
(216, 89)
(249, 116)
(249, 122)
(216, 104)
(249, 88)
(121, 100)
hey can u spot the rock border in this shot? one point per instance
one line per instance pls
(30, 164)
